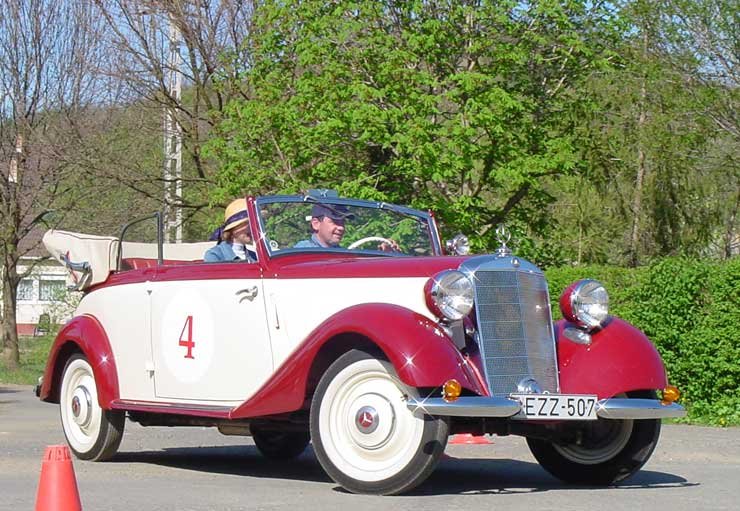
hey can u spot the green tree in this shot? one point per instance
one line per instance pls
(464, 107)
(653, 160)
(702, 38)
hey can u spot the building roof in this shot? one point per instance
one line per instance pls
(31, 245)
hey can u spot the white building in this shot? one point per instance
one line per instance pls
(42, 292)
(42, 295)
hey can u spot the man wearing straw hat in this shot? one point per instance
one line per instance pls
(234, 236)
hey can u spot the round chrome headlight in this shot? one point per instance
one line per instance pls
(585, 303)
(449, 295)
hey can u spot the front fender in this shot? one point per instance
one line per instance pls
(619, 359)
(86, 334)
(420, 351)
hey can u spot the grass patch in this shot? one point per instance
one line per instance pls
(33, 354)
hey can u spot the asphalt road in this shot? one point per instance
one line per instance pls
(693, 468)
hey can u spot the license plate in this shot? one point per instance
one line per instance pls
(556, 406)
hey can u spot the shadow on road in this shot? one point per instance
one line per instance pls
(233, 460)
(7, 390)
(463, 476)
(453, 476)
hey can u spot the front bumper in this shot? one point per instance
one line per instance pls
(615, 408)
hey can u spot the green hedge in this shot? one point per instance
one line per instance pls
(691, 311)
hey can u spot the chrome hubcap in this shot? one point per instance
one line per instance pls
(372, 422)
(81, 406)
(367, 419)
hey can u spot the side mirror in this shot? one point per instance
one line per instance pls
(459, 245)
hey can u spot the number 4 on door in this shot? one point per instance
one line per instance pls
(188, 342)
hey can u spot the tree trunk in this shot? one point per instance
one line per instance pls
(640, 178)
(730, 231)
(11, 353)
(10, 279)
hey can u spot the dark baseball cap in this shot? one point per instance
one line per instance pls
(333, 211)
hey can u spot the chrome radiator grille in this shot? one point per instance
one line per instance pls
(515, 330)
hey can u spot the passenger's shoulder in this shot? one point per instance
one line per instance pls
(214, 254)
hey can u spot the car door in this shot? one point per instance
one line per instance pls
(209, 332)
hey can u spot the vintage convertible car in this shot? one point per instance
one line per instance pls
(373, 356)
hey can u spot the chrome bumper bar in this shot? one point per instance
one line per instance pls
(625, 408)
(615, 408)
(466, 406)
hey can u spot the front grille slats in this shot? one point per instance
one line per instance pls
(515, 329)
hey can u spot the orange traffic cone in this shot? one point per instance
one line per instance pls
(57, 486)
(467, 438)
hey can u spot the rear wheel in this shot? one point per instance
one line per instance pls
(364, 435)
(606, 451)
(280, 445)
(92, 433)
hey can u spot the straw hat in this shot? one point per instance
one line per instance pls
(235, 214)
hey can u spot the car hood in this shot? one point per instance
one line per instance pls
(321, 265)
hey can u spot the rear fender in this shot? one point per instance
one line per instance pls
(421, 353)
(82, 334)
(619, 359)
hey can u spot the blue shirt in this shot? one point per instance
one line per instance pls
(313, 242)
(224, 252)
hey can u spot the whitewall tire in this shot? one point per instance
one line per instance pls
(92, 433)
(364, 435)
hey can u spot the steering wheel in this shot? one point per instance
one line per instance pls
(369, 239)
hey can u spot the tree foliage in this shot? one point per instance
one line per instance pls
(467, 108)
(661, 168)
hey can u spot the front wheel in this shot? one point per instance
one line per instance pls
(607, 451)
(364, 435)
(92, 433)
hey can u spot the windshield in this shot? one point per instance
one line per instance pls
(297, 224)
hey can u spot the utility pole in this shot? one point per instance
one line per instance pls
(173, 143)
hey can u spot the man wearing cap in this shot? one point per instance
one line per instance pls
(327, 223)
(234, 237)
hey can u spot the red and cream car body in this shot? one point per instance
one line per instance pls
(374, 357)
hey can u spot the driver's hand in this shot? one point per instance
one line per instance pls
(389, 247)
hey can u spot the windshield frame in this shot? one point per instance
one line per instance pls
(425, 217)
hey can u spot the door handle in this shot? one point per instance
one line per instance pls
(247, 294)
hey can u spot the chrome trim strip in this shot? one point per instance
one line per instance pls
(491, 262)
(625, 408)
(173, 408)
(466, 406)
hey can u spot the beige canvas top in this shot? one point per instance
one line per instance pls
(101, 253)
